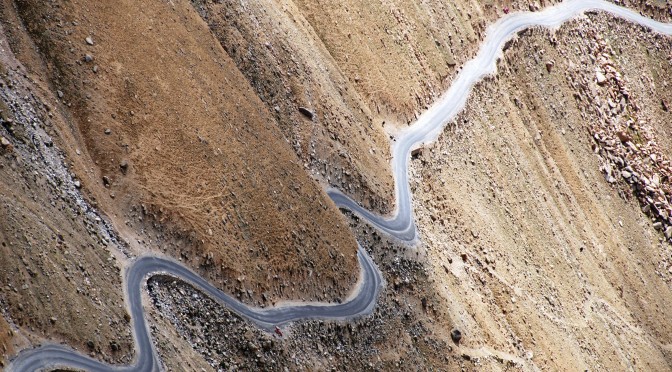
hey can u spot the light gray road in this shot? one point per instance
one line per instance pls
(432, 122)
(52, 356)
(401, 225)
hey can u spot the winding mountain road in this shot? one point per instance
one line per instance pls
(431, 123)
(52, 356)
(400, 225)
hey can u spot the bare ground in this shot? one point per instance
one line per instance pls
(534, 251)
(182, 155)
(530, 251)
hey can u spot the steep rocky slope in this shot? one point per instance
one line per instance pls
(181, 154)
(206, 130)
(58, 259)
(534, 250)
(362, 68)
(289, 67)
(536, 238)
(400, 55)
(107, 154)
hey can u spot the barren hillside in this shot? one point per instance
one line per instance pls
(535, 232)
(180, 157)
(181, 154)
(536, 245)
(55, 248)
(208, 131)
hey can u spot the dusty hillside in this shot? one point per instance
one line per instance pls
(362, 68)
(538, 248)
(58, 271)
(206, 130)
(400, 55)
(181, 154)
(536, 238)
(289, 67)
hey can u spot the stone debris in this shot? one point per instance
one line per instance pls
(307, 113)
(222, 337)
(456, 335)
(114, 346)
(89, 40)
(124, 166)
(6, 145)
(601, 79)
(625, 144)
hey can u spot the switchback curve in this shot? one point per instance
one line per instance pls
(400, 225)
(53, 356)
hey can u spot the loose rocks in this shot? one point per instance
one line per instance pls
(124, 166)
(6, 145)
(307, 113)
(456, 335)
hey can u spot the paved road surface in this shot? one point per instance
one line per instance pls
(401, 225)
(431, 123)
(51, 356)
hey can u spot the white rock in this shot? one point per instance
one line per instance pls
(601, 79)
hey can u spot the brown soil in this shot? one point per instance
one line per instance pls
(289, 67)
(176, 128)
(207, 176)
(6, 335)
(399, 55)
(58, 278)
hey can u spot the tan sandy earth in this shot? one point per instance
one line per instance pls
(175, 127)
(534, 251)
(537, 258)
